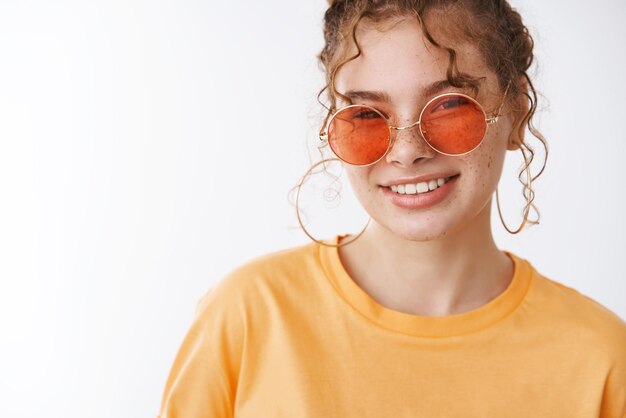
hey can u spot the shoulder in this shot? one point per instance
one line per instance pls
(591, 332)
(264, 276)
(290, 260)
(579, 316)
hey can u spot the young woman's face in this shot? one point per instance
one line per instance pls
(398, 62)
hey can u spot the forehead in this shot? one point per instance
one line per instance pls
(401, 62)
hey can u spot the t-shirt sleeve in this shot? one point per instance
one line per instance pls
(614, 398)
(202, 380)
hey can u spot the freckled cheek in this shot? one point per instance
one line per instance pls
(360, 179)
(480, 169)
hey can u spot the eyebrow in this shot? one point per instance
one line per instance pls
(381, 96)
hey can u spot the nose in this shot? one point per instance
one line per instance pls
(408, 146)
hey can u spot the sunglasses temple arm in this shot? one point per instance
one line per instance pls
(503, 99)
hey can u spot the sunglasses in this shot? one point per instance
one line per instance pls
(451, 123)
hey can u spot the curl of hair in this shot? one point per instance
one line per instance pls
(493, 26)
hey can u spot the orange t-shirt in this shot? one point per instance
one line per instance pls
(290, 334)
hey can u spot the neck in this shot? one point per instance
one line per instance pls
(456, 273)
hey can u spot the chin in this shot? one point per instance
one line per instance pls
(421, 231)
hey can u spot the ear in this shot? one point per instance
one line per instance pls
(519, 108)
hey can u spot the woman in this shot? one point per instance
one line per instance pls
(421, 315)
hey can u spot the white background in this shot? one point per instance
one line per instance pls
(148, 147)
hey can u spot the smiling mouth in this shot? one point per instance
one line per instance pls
(422, 187)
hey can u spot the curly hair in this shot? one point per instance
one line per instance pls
(492, 26)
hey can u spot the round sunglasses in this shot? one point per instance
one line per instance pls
(451, 123)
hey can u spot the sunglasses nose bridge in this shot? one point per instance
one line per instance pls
(420, 146)
(401, 128)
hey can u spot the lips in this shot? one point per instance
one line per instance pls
(420, 200)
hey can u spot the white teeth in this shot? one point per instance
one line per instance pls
(422, 187)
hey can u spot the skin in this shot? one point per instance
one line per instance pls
(439, 260)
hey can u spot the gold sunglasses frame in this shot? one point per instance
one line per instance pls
(489, 120)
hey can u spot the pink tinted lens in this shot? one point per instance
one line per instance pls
(359, 135)
(453, 124)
